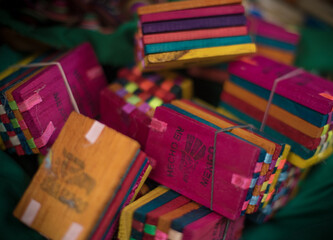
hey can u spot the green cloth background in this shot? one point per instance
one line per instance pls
(112, 49)
(315, 50)
(13, 182)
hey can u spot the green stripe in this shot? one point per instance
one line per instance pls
(13, 105)
(150, 229)
(31, 143)
(15, 123)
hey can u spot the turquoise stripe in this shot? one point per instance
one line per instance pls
(275, 43)
(195, 44)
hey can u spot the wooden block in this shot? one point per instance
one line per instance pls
(78, 179)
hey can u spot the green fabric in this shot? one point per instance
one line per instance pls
(13, 182)
(315, 51)
(308, 216)
(8, 57)
(111, 49)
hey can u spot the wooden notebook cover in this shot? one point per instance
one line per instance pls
(261, 172)
(185, 172)
(53, 106)
(77, 179)
(277, 157)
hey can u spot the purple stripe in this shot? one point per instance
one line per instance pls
(261, 180)
(272, 165)
(197, 23)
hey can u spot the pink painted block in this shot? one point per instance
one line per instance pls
(184, 155)
(193, 13)
(307, 89)
(85, 77)
(263, 28)
(209, 227)
(134, 124)
(212, 226)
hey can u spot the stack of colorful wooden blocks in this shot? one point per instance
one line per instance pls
(213, 160)
(301, 109)
(128, 104)
(35, 102)
(165, 214)
(180, 34)
(273, 41)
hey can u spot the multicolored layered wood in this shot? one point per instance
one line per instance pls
(165, 214)
(10, 131)
(36, 102)
(301, 109)
(273, 41)
(77, 187)
(190, 33)
(128, 104)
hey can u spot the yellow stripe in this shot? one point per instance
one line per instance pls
(264, 186)
(126, 216)
(193, 57)
(228, 114)
(11, 70)
(143, 180)
(305, 163)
